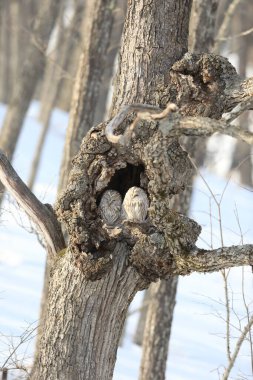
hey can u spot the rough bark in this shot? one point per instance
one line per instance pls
(167, 35)
(98, 24)
(85, 320)
(145, 59)
(201, 37)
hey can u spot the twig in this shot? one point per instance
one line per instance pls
(226, 22)
(242, 34)
(227, 306)
(238, 110)
(26, 336)
(237, 348)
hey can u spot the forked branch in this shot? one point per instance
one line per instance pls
(39, 213)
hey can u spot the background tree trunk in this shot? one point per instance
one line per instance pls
(5, 51)
(31, 71)
(50, 91)
(202, 25)
(98, 23)
(113, 49)
(68, 39)
(139, 332)
(242, 160)
(159, 322)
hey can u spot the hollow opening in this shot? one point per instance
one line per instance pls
(125, 178)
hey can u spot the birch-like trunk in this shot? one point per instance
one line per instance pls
(31, 71)
(28, 77)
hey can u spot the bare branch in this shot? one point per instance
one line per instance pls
(237, 348)
(200, 260)
(238, 110)
(204, 126)
(177, 126)
(242, 34)
(39, 213)
(225, 25)
(119, 118)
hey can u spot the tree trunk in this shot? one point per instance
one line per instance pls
(159, 322)
(145, 60)
(242, 160)
(38, 152)
(88, 304)
(139, 332)
(50, 90)
(31, 71)
(84, 321)
(98, 23)
(105, 88)
(5, 55)
(163, 314)
(202, 25)
(51, 73)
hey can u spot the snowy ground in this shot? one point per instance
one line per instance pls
(198, 346)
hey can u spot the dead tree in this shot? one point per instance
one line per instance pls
(94, 279)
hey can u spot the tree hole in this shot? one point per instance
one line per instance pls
(124, 178)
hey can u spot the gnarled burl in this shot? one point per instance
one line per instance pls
(153, 160)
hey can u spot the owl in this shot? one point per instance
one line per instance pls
(110, 206)
(135, 205)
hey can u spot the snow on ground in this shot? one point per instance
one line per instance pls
(197, 346)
